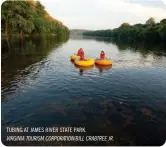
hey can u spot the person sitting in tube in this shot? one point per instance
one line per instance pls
(79, 52)
(102, 55)
(82, 57)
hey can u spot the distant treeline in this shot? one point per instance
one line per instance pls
(27, 18)
(149, 32)
(77, 32)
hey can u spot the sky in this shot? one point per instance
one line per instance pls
(104, 14)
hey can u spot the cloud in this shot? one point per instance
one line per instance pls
(131, 11)
(102, 14)
(149, 3)
(139, 10)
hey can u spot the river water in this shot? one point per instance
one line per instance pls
(40, 86)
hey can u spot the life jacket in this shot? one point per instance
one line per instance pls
(102, 55)
(82, 57)
(79, 52)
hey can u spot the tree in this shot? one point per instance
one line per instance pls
(6, 14)
(163, 21)
(125, 25)
(22, 18)
(162, 32)
(135, 33)
(28, 17)
(151, 20)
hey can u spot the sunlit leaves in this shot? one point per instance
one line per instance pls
(124, 25)
(30, 17)
(150, 21)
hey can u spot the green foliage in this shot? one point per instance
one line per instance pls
(150, 21)
(29, 17)
(149, 32)
(163, 21)
(124, 25)
(162, 32)
(6, 11)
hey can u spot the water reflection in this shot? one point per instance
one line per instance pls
(101, 39)
(143, 48)
(20, 56)
(135, 55)
(83, 68)
(131, 101)
(102, 68)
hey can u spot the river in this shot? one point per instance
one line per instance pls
(40, 86)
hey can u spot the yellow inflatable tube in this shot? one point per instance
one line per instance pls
(86, 62)
(103, 61)
(74, 57)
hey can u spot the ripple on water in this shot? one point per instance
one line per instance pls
(126, 99)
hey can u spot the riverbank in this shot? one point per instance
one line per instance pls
(150, 32)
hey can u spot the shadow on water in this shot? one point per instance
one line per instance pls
(82, 68)
(102, 68)
(72, 62)
(19, 56)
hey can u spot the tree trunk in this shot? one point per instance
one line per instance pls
(7, 41)
(21, 44)
(21, 34)
(6, 28)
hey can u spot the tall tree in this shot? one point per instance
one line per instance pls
(28, 17)
(6, 14)
(125, 25)
(163, 21)
(151, 20)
